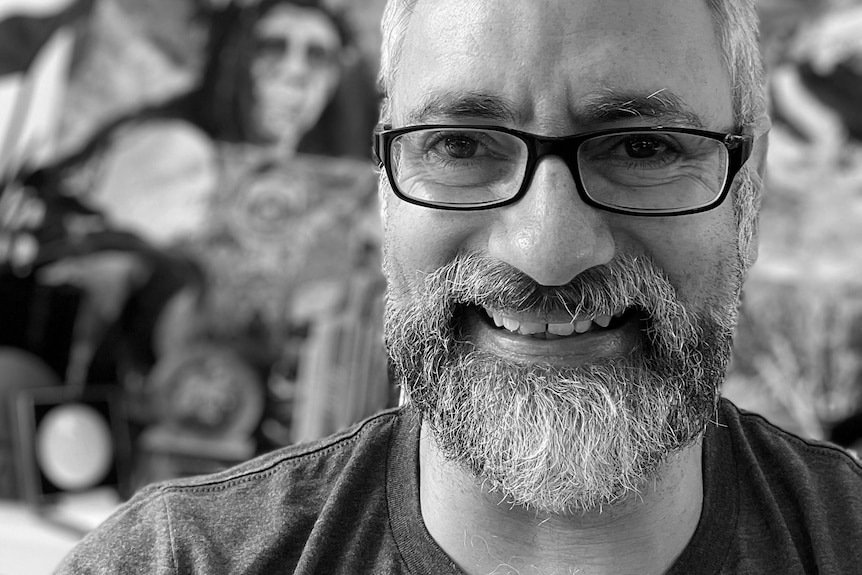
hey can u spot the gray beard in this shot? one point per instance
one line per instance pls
(559, 439)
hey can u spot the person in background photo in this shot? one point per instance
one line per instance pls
(293, 221)
(274, 75)
(248, 211)
(570, 195)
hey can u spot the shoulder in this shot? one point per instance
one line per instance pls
(160, 143)
(779, 503)
(756, 439)
(273, 504)
(799, 500)
(155, 178)
(317, 464)
(173, 131)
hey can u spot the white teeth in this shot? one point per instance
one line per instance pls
(562, 329)
(529, 328)
(603, 320)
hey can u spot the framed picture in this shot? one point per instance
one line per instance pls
(69, 441)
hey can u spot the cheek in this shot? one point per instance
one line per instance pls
(699, 255)
(419, 240)
(319, 88)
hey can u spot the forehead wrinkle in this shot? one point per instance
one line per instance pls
(614, 104)
(610, 105)
(453, 105)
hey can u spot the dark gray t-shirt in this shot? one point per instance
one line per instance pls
(349, 504)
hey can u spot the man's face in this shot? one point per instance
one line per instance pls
(295, 69)
(556, 418)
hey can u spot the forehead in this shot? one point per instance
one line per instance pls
(549, 65)
(298, 23)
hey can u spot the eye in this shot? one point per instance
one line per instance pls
(270, 48)
(319, 55)
(460, 147)
(643, 147)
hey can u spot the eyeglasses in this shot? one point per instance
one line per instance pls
(272, 51)
(651, 171)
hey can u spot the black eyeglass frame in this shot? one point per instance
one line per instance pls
(739, 147)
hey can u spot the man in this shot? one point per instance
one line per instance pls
(569, 208)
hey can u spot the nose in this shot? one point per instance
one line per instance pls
(293, 64)
(551, 234)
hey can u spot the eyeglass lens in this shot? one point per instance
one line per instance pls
(463, 167)
(639, 171)
(271, 51)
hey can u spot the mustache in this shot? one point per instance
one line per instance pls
(623, 283)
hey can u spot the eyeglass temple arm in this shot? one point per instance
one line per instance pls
(377, 143)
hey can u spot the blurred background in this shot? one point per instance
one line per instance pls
(189, 243)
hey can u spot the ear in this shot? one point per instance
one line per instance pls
(757, 163)
(758, 156)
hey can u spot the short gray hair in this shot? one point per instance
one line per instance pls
(736, 25)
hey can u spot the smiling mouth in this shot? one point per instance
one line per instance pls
(558, 328)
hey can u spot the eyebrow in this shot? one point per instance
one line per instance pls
(455, 105)
(613, 105)
(607, 106)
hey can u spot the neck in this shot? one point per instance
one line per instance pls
(482, 533)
